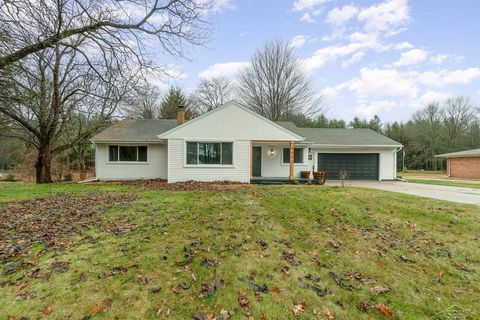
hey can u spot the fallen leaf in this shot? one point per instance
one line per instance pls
(243, 300)
(328, 314)
(336, 244)
(299, 308)
(286, 270)
(225, 314)
(378, 290)
(47, 310)
(275, 292)
(384, 309)
(106, 303)
(95, 310)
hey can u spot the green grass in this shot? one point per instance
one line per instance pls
(475, 185)
(11, 191)
(375, 228)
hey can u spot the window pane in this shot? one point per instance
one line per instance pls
(298, 157)
(208, 153)
(286, 155)
(112, 153)
(128, 153)
(142, 153)
(227, 153)
(191, 153)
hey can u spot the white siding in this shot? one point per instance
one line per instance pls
(273, 166)
(232, 122)
(387, 160)
(179, 171)
(155, 167)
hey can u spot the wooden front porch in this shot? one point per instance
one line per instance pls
(256, 177)
(280, 180)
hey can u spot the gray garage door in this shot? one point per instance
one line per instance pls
(359, 166)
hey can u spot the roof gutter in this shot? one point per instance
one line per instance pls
(339, 146)
(129, 141)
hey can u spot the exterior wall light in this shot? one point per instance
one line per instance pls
(271, 152)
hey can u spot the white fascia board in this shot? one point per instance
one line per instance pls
(342, 146)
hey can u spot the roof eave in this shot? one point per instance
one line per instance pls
(457, 155)
(127, 141)
(357, 145)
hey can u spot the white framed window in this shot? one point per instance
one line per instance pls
(209, 153)
(127, 153)
(297, 155)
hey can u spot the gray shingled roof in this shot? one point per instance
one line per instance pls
(347, 137)
(147, 130)
(460, 154)
(136, 130)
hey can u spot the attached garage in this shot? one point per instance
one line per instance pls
(358, 166)
(363, 153)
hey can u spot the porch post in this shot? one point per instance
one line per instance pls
(292, 154)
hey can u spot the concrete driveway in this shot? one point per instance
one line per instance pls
(455, 194)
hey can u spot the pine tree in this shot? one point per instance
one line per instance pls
(171, 101)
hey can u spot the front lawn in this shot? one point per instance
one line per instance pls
(274, 252)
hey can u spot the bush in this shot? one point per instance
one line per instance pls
(10, 177)
(68, 177)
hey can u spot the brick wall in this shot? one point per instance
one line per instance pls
(465, 167)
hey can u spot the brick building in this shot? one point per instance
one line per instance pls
(463, 164)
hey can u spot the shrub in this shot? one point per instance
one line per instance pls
(10, 177)
(68, 177)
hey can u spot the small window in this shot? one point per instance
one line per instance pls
(127, 153)
(227, 153)
(297, 156)
(192, 153)
(220, 153)
(142, 154)
(112, 153)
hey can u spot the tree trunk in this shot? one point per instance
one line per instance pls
(83, 169)
(43, 164)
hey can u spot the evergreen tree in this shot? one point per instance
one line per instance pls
(174, 98)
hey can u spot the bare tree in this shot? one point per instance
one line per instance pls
(211, 94)
(458, 114)
(65, 65)
(275, 85)
(54, 100)
(427, 133)
(143, 102)
(30, 26)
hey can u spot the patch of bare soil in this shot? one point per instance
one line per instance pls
(51, 221)
(160, 184)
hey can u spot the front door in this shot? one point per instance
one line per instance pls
(257, 161)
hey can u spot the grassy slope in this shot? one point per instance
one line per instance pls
(473, 184)
(229, 223)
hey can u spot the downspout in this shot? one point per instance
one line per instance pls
(395, 164)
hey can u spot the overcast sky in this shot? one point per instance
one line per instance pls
(366, 57)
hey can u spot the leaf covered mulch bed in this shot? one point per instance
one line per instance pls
(50, 221)
(160, 184)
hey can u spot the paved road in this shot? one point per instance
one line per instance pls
(455, 194)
